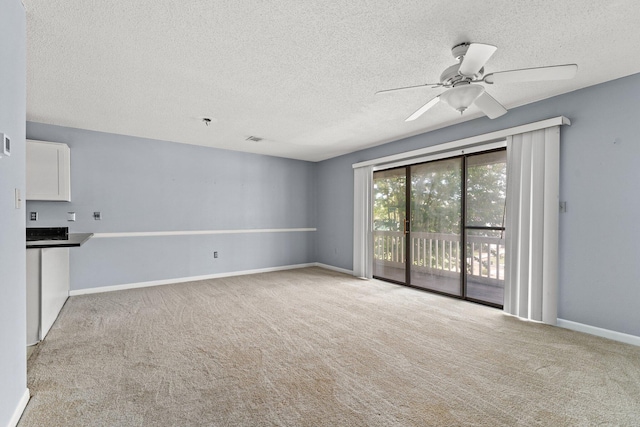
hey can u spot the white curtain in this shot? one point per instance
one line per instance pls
(533, 168)
(362, 222)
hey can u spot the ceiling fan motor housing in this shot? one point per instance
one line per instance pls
(451, 76)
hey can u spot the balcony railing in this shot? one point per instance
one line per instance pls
(441, 254)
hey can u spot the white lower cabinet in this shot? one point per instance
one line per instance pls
(47, 289)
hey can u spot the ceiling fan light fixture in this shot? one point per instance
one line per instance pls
(461, 80)
(461, 97)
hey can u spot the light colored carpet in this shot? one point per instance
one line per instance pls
(312, 347)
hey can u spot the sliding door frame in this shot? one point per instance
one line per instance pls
(407, 227)
(466, 227)
(490, 148)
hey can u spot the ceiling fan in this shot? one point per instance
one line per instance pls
(462, 80)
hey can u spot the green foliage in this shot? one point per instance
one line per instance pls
(389, 207)
(486, 192)
(436, 195)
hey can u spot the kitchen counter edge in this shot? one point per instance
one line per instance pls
(75, 240)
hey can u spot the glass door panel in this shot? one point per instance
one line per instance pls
(485, 266)
(486, 186)
(436, 221)
(389, 214)
(486, 189)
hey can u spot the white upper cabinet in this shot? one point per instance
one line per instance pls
(48, 171)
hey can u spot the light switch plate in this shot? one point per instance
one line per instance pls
(71, 216)
(563, 207)
(5, 150)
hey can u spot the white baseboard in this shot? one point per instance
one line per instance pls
(600, 332)
(13, 422)
(184, 279)
(331, 267)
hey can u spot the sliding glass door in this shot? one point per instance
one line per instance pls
(436, 221)
(485, 201)
(389, 219)
(439, 226)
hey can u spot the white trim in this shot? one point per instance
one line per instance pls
(13, 422)
(331, 267)
(125, 286)
(600, 332)
(197, 232)
(467, 142)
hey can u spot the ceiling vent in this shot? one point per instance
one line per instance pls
(254, 139)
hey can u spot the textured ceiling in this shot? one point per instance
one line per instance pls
(301, 75)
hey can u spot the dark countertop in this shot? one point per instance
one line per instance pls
(73, 240)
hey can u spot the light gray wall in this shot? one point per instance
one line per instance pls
(599, 179)
(145, 185)
(13, 380)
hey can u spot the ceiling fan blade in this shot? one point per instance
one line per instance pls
(432, 85)
(477, 55)
(423, 109)
(556, 72)
(490, 106)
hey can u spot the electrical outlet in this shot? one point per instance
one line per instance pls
(71, 216)
(97, 216)
(215, 254)
(34, 216)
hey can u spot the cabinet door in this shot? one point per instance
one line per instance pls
(54, 285)
(48, 171)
